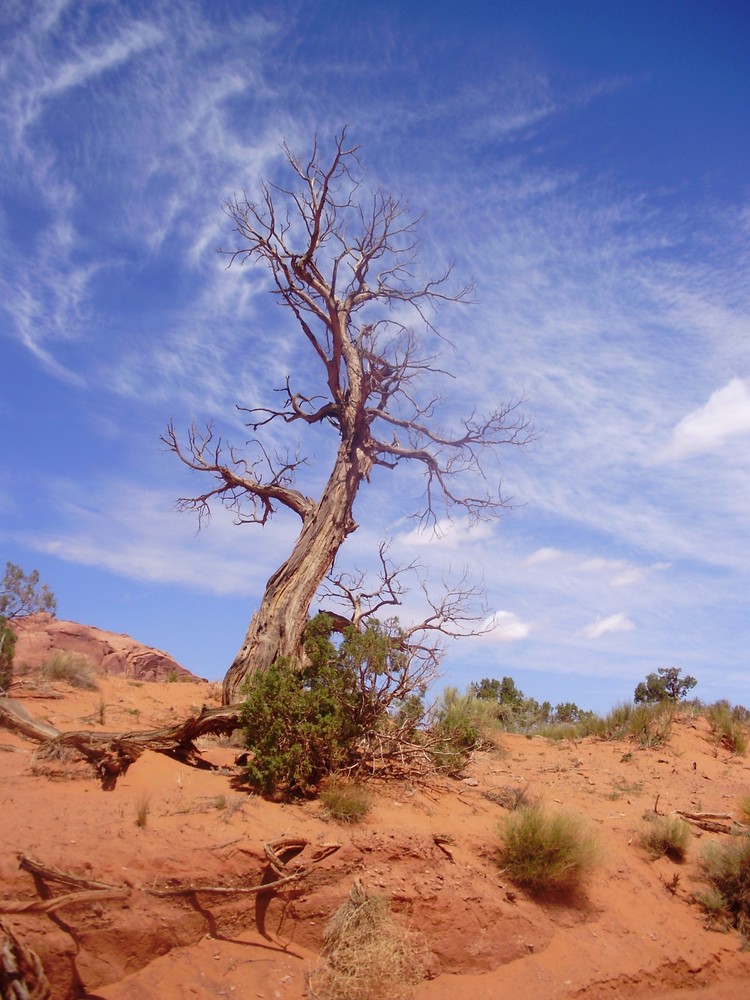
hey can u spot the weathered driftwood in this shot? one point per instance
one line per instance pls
(21, 973)
(111, 754)
(14, 716)
(48, 873)
(708, 821)
(58, 902)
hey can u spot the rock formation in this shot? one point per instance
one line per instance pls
(109, 652)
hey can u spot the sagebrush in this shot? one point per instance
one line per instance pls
(546, 852)
(665, 836)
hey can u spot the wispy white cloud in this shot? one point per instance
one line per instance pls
(544, 555)
(708, 428)
(612, 623)
(447, 534)
(506, 626)
(134, 532)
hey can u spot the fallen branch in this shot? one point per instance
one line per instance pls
(227, 890)
(273, 851)
(49, 873)
(13, 716)
(58, 902)
(707, 821)
(702, 815)
(21, 972)
(111, 754)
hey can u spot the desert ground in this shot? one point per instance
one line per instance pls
(168, 838)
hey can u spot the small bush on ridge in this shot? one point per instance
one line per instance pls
(665, 836)
(727, 726)
(726, 868)
(546, 852)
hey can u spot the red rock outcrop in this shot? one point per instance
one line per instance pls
(110, 652)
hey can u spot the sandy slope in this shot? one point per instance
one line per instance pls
(431, 848)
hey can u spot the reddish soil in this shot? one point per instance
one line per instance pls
(634, 932)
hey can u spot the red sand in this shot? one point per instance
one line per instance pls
(628, 936)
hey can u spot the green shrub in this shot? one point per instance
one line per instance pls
(546, 853)
(303, 724)
(726, 869)
(727, 726)
(346, 801)
(558, 731)
(743, 805)
(648, 723)
(665, 685)
(298, 726)
(71, 668)
(665, 836)
(368, 954)
(7, 648)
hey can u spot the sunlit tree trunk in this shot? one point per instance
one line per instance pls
(277, 627)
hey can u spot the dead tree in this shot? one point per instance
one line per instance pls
(344, 262)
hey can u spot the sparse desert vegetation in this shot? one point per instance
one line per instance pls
(346, 801)
(726, 870)
(533, 817)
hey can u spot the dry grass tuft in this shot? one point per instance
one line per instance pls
(367, 953)
(71, 668)
(726, 869)
(665, 836)
(345, 801)
(142, 809)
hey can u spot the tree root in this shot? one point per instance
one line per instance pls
(274, 851)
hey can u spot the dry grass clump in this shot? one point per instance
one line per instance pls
(345, 801)
(71, 668)
(510, 796)
(546, 852)
(726, 869)
(650, 724)
(665, 836)
(728, 726)
(142, 809)
(743, 805)
(367, 953)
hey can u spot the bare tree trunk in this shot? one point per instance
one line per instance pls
(277, 627)
(348, 275)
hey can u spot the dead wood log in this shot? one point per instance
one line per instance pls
(58, 902)
(111, 754)
(14, 716)
(707, 821)
(702, 815)
(21, 972)
(48, 873)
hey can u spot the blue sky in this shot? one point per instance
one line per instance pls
(587, 164)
